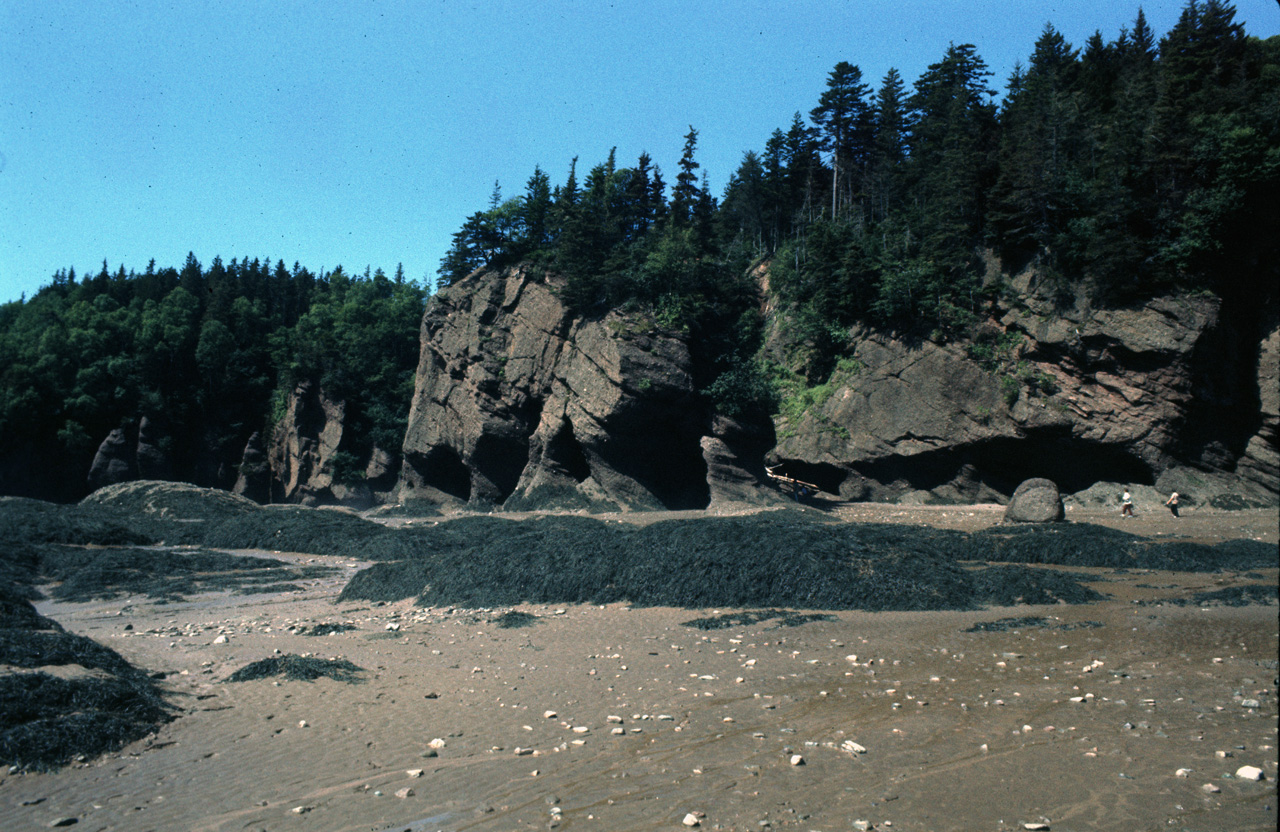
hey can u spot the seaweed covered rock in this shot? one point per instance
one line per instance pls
(176, 500)
(1035, 501)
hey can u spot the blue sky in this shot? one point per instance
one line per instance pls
(363, 132)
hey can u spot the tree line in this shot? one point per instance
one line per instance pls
(1116, 170)
(207, 354)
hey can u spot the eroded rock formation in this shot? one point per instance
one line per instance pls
(1159, 394)
(522, 405)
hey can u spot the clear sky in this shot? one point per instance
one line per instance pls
(363, 132)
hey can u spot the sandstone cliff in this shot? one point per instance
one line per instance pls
(520, 404)
(304, 457)
(1167, 393)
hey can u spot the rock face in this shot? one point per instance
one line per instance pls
(153, 461)
(1146, 395)
(303, 450)
(115, 461)
(1035, 501)
(521, 405)
(254, 479)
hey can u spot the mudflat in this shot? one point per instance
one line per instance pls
(1142, 711)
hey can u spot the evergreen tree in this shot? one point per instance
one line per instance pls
(685, 195)
(844, 117)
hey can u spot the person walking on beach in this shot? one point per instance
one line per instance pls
(1126, 504)
(1172, 503)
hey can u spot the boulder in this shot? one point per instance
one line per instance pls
(1035, 501)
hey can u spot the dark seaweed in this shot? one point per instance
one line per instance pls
(727, 620)
(769, 560)
(299, 668)
(327, 629)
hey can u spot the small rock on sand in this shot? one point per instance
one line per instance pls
(1249, 773)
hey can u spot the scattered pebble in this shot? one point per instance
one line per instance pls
(1249, 773)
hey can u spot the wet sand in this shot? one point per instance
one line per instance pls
(653, 721)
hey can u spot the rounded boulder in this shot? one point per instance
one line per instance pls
(1035, 501)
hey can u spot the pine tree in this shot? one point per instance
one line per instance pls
(845, 119)
(685, 195)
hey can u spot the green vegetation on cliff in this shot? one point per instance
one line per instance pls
(1116, 170)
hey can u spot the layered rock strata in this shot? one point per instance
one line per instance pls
(520, 404)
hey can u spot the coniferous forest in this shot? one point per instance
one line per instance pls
(1115, 170)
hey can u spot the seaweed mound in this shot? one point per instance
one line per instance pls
(24, 520)
(299, 668)
(759, 561)
(1239, 596)
(299, 529)
(747, 618)
(327, 629)
(1084, 544)
(85, 573)
(46, 721)
(514, 619)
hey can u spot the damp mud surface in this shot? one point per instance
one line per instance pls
(1001, 684)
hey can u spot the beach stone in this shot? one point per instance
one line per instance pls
(691, 820)
(436, 743)
(405, 792)
(797, 760)
(64, 822)
(1036, 827)
(1250, 703)
(1210, 788)
(1035, 501)
(1249, 773)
